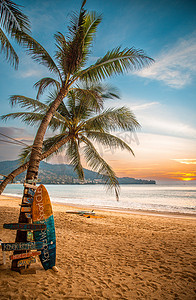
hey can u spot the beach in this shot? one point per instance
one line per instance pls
(119, 255)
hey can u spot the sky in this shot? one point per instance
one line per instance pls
(162, 96)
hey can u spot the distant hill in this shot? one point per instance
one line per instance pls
(63, 174)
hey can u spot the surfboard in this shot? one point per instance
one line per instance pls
(91, 216)
(22, 246)
(42, 214)
(24, 226)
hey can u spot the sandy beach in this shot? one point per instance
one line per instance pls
(117, 256)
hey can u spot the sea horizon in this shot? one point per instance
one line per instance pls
(160, 197)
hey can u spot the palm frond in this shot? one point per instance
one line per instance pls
(43, 83)
(28, 103)
(91, 23)
(99, 165)
(74, 157)
(11, 17)
(32, 119)
(9, 51)
(51, 141)
(36, 105)
(89, 96)
(113, 119)
(26, 117)
(25, 154)
(115, 62)
(75, 41)
(109, 140)
(61, 52)
(62, 109)
(36, 51)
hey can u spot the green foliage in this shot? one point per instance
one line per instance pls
(98, 164)
(11, 17)
(11, 20)
(9, 51)
(83, 120)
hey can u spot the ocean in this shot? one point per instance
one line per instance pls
(158, 198)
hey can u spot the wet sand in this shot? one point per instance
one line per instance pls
(120, 255)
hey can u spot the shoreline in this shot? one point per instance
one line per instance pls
(111, 209)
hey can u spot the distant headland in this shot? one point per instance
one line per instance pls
(63, 174)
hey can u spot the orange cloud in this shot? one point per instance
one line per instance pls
(186, 161)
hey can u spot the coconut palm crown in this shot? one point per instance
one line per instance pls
(82, 122)
(12, 20)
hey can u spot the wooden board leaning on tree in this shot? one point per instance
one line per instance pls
(27, 200)
(22, 246)
(24, 226)
(26, 209)
(26, 262)
(24, 255)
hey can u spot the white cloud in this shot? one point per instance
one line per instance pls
(144, 106)
(175, 66)
(30, 73)
(163, 125)
(29, 68)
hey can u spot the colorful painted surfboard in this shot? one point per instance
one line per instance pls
(26, 262)
(42, 214)
(24, 255)
(22, 246)
(24, 226)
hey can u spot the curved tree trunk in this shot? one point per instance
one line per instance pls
(12, 175)
(36, 152)
(24, 167)
(32, 171)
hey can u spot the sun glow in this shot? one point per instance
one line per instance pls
(187, 179)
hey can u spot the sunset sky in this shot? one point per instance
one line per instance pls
(162, 96)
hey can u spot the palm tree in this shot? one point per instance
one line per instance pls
(11, 21)
(82, 122)
(70, 68)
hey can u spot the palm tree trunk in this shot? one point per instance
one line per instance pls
(32, 171)
(36, 153)
(24, 167)
(12, 175)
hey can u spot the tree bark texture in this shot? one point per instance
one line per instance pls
(12, 175)
(36, 152)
